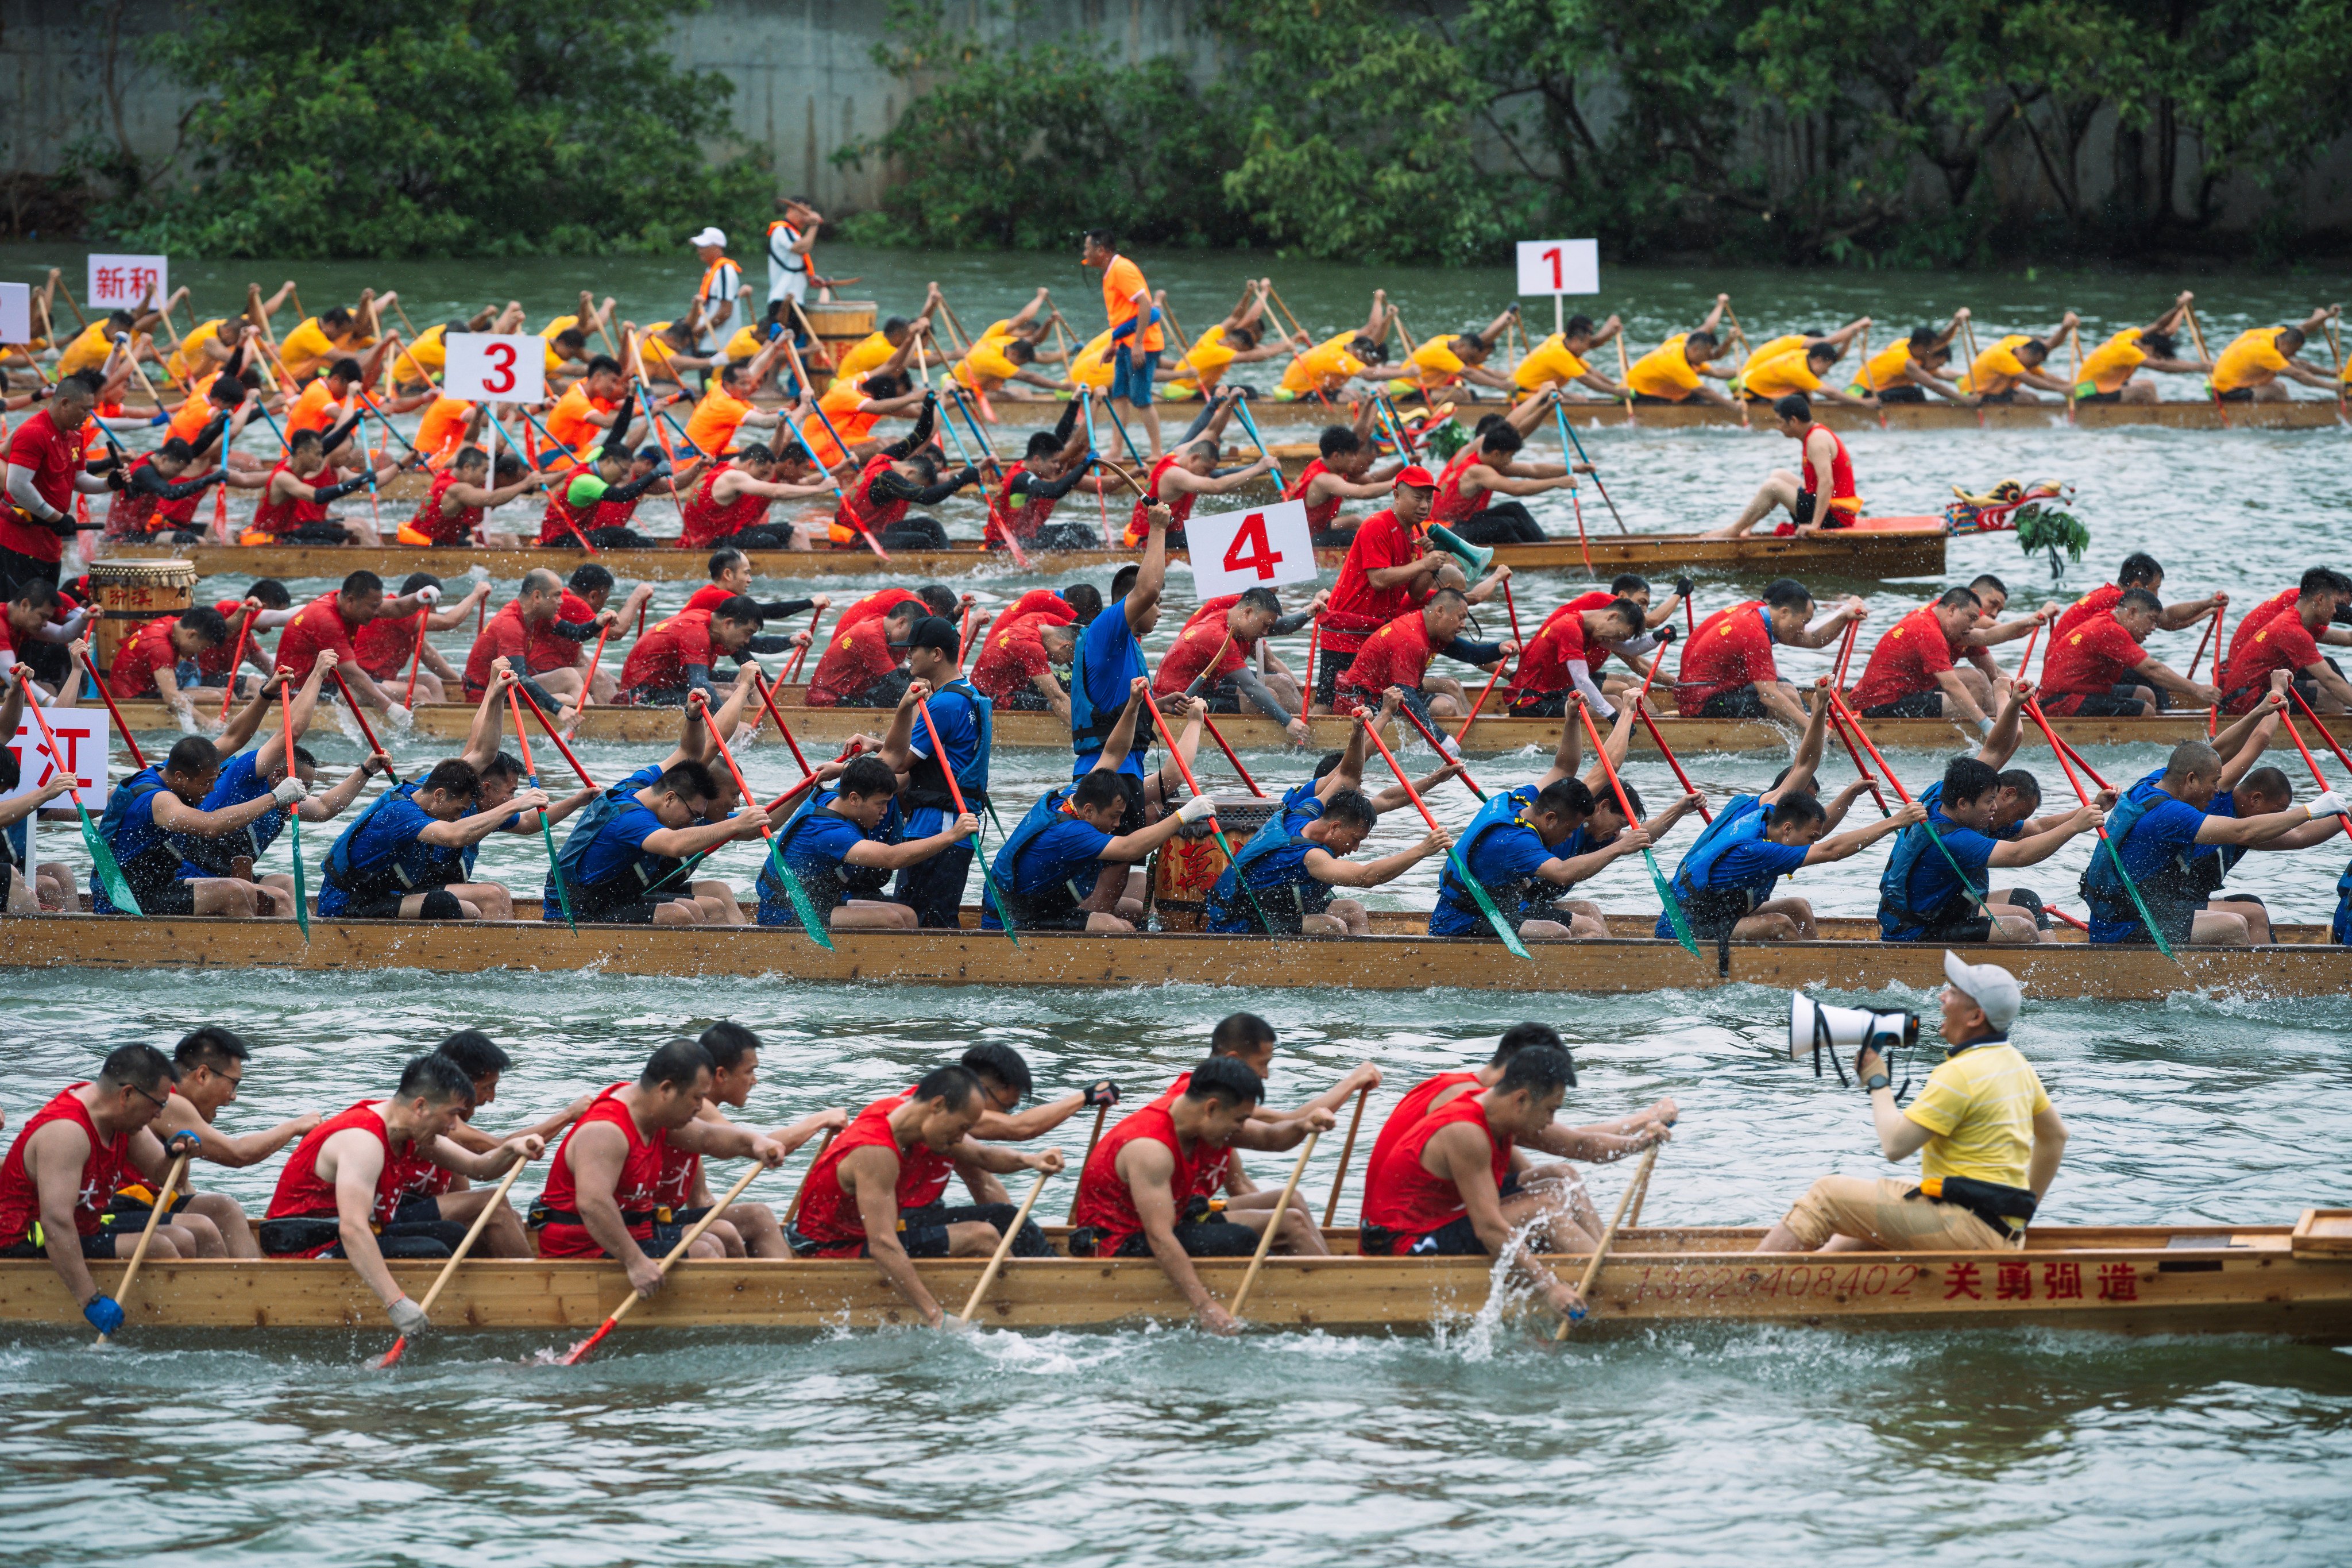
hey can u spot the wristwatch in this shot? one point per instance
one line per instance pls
(1875, 1082)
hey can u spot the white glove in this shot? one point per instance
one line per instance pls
(1199, 806)
(2329, 803)
(291, 789)
(408, 1317)
(430, 595)
(1446, 744)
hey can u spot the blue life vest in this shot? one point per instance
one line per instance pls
(149, 861)
(927, 782)
(2171, 889)
(834, 884)
(413, 866)
(2340, 928)
(216, 856)
(1090, 726)
(1502, 811)
(1743, 821)
(626, 886)
(1054, 903)
(1275, 861)
(1897, 920)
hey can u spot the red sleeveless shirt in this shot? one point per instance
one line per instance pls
(303, 1194)
(709, 524)
(637, 1192)
(1105, 1201)
(1406, 1200)
(101, 1171)
(830, 1218)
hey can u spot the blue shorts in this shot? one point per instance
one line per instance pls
(1131, 373)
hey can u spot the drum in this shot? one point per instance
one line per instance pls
(840, 324)
(1184, 868)
(129, 594)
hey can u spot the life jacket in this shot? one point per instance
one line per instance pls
(1897, 920)
(1139, 526)
(215, 856)
(859, 508)
(832, 886)
(1741, 822)
(149, 861)
(431, 525)
(1503, 811)
(2171, 889)
(927, 781)
(1055, 903)
(1319, 513)
(1090, 726)
(626, 886)
(414, 867)
(1275, 861)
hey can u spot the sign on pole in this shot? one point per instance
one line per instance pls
(125, 282)
(1264, 547)
(495, 367)
(84, 736)
(1558, 267)
(15, 312)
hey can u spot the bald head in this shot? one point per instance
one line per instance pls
(2192, 758)
(539, 580)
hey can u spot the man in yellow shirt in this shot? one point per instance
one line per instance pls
(1134, 329)
(1799, 368)
(334, 333)
(2002, 372)
(1451, 361)
(1907, 370)
(888, 350)
(727, 406)
(1325, 370)
(1558, 361)
(1236, 340)
(2108, 373)
(2248, 369)
(1987, 1138)
(1670, 373)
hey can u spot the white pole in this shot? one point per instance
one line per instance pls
(1559, 314)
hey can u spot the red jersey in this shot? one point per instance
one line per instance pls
(549, 651)
(1139, 526)
(859, 655)
(1731, 649)
(562, 522)
(2089, 661)
(2282, 642)
(1543, 666)
(271, 516)
(1409, 1112)
(1357, 609)
(101, 1171)
(1212, 1171)
(1396, 654)
(1404, 1198)
(318, 625)
(1035, 602)
(1022, 518)
(1319, 513)
(659, 660)
(507, 636)
(1013, 656)
(1906, 662)
(1450, 505)
(131, 511)
(2097, 601)
(303, 1194)
(218, 660)
(54, 455)
(709, 597)
(830, 1218)
(431, 525)
(859, 508)
(387, 645)
(135, 664)
(709, 524)
(637, 1191)
(2258, 617)
(1105, 1200)
(1205, 651)
(874, 607)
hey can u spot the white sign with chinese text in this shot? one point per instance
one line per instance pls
(1264, 547)
(83, 737)
(495, 367)
(126, 282)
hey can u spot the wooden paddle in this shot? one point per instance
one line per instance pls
(1003, 1250)
(580, 1352)
(800, 1192)
(1347, 1154)
(186, 1145)
(497, 1201)
(1273, 1223)
(1093, 1138)
(1640, 1182)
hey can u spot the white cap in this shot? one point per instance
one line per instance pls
(1989, 986)
(716, 237)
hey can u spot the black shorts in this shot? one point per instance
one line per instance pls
(1338, 538)
(1651, 399)
(883, 693)
(304, 1235)
(1541, 705)
(1967, 931)
(1903, 394)
(1225, 697)
(322, 533)
(2009, 396)
(1328, 671)
(174, 897)
(2238, 395)
(1456, 1238)
(98, 1244)
(611, 911)
(2096, 707)
(1027, 700)
(440, 904)
(1917, 705)
(1740, 702)
(1215, 1237)
(924, 1232)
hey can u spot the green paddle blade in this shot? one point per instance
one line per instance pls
(988, 881)
(1966, 886)
(301, 891)
(1486, 905)
(802, 905)
(1675, 915)
(101, 859)
(2138, 903)
(555, 873)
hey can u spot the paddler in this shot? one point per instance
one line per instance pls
(622, 861)
(151, 815)
(1399, 654)
(333, 621)
(462, 496)
(864, 664)
(850, 409)
(150, 659)
(1212, 657)
(1907, 370)
(874, 1193)
(1489, 467)
(1239, 339)
(1438, 1192)
(1728, 670)
(963, 722)
(903, 474)
(746, 1229)
(1596, 1143)
(1325, 370)
(1558, 362)
(1822, 497)
(1109, 661)
(603, 1192)
(890, 346)
(46, 470)
(1456, 361)
(1137, 1197)
(1135, 318)
(333, 333)
(1390, 568)
(60, 1174)
(2084, 674)
(1801, 369)
(1021, 499)
(842, 845)
(2248, 371)
(2109, 373)
(402, 857)
(1190, 471)
(2002, 372)
(1559, 658)
(1340, 473)
(1918, 898)
(340, 1195)
(1672, 373)
(1914, 669)
(1292, 876)
(207, 1069)
(674, 658)
(1987, 1138)
(2287, 642)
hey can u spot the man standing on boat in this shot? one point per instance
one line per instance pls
(1134, 327)
(1989, 1142)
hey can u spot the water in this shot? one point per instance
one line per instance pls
(1476, 1445)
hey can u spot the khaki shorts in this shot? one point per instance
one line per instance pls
(1878, 1212)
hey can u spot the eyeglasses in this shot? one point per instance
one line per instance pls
(144, 1095)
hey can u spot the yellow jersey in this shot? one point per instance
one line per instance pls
(556, 362)
(427, 356)
(1092, 365)
(744, 346)
(985, 368)
(1981, 1106)
(1773, 347)
(2108, 366)
(190, 357)
(1549, 362)
(1784, 373)
(1890, 367)
(1998, 369)
(1435, 363)
(868, 354)
(1324, 368)
(88, 349)
(1665, 371)
(2253, 359)
(1205, 366)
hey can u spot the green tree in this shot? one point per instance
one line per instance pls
(440, 128)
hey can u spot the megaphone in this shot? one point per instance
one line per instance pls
(1844, 1031)
(1472, 555)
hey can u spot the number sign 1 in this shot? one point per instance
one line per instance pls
(495, 367)
(1559, 267)
(1264, 547)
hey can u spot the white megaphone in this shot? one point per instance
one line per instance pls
(1844, 1031)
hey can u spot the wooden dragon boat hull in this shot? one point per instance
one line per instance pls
(2157, 1279)
(1395, 958)
(1688, 737)
(1894, 552)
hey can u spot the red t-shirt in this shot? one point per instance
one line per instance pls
(1543, 668)
(2284, 643)
(659, 660)
(1036, 601)
(1013, 656)
(318, 625)
(1731, 649)
(2097, 601)
(709, 597)
(2260, 617)
(216, 660)
(1205, 640)
(387, 645)
(1396, 654)
(875, 605)
(1906, 660)
(2091, 660)
(53, 457)
(507, 636)
(149, 650)
(1357, 609)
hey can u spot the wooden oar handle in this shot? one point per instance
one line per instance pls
(1003, 1247)
(481, 1220)
(1273, 1222)
(1600, 1253)
(179, 1168)
(692, 1236)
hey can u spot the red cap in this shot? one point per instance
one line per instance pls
(1419, 477)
